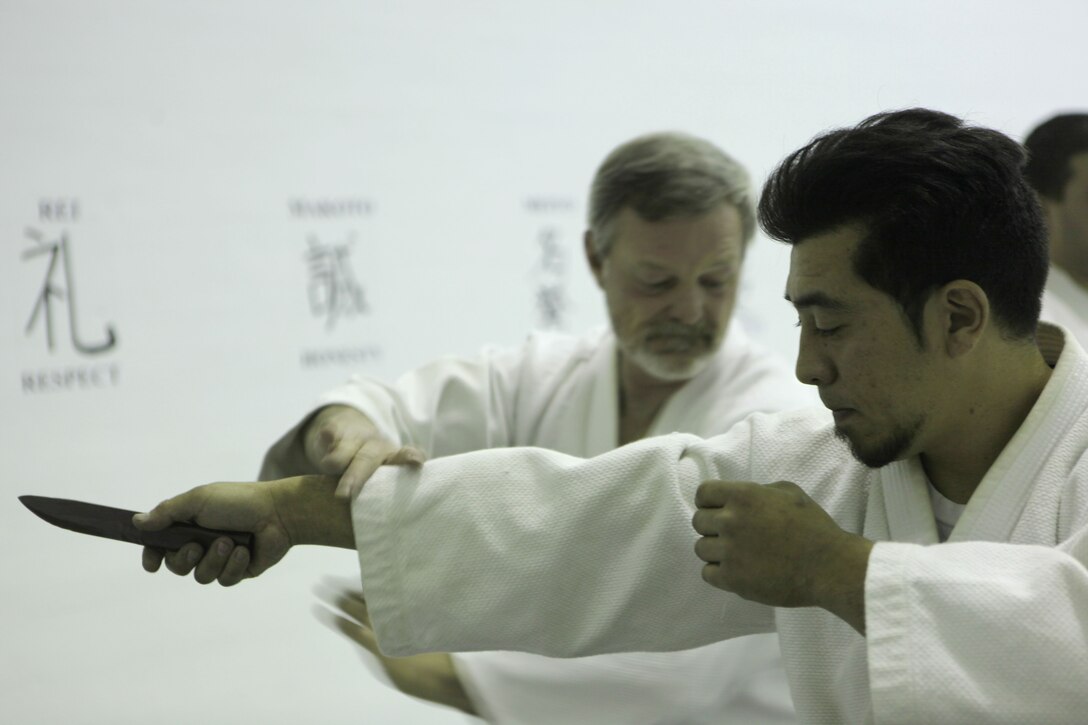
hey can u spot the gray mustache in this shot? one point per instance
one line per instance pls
(675, 329)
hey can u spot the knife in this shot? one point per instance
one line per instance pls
(112, 523)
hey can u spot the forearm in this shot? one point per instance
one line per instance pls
(311, 513)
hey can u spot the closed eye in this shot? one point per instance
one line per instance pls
(658, 286)
(822, 331)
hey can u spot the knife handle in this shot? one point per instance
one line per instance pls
(175, 536)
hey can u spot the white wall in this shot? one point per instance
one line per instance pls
(173, 145)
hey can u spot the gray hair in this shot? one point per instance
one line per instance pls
(663, 176)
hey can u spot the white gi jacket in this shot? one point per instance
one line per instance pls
(1065, 303)
(560, 392)
(535, 550)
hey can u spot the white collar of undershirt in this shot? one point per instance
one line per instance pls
(946, 511)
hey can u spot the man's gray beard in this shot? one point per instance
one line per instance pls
(890, 449)
(666, 367)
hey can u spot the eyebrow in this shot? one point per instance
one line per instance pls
(818, 299)
(718, 266)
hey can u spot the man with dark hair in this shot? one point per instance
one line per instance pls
(1058, 170)
(932, 569)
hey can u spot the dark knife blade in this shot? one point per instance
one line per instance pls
(113, 523)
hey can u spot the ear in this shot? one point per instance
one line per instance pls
(596, 264)
(964, 314)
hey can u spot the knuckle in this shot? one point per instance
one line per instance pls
(703, 491)
(721, 521)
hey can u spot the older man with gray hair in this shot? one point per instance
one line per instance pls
(670, 219)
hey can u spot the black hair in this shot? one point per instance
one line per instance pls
(938, 201)
(1050, 146)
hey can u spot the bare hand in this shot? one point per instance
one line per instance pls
(227, 506)
(427, 676)
(341, 441)
(773, 544)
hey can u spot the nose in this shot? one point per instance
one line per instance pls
(813, 365)
(687, 304)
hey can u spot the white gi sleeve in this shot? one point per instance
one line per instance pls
(451, 405)
(978, 632)
(539, 551)
(737, 681)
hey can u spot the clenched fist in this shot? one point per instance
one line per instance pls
(772, 544)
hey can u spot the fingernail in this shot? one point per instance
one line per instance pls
(139, 519)
(193, 555)
(223, 547)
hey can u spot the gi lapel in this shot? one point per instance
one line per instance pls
(600, 427)
(903, 494)
(997, 504)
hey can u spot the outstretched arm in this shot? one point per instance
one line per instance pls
(280, 514)
(534, 550)
(448, 406)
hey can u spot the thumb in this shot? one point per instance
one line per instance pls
(406, 455)
(184, 507)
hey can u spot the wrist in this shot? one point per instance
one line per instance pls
(839, 586)
(311, 513)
